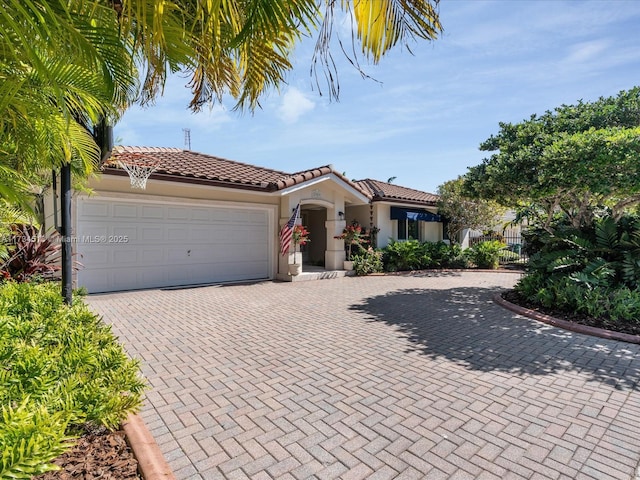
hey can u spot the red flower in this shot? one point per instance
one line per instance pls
(300, 235)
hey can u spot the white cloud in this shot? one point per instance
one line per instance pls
(294, 105)
(586, 51)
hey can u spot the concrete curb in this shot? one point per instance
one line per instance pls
(565, 324)
(151, 463)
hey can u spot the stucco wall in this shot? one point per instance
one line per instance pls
(431, 231)
(112, 183)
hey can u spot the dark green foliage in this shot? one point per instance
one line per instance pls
(486, 254)
(414, 255)
(573, 160)
(400, 256)
(61, 366)
(594, 270)
(370, 261)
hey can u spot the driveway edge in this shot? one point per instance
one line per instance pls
(565, 324)
(151, 463)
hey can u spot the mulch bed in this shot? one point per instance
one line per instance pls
(604, 323)
(98, 454)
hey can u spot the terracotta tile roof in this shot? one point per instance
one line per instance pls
(185, 165)
(383, 191)
(175, 163)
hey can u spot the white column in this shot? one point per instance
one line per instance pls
(334, 256)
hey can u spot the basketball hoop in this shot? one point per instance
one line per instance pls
(139, 167)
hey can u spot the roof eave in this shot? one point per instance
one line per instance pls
(425, 203)
(265, 187)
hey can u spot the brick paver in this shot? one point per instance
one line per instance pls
(378, 377)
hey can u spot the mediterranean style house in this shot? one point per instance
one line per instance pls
(203, 219)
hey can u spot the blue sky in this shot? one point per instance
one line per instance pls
(425, 115)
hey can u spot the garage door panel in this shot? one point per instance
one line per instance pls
(125, 256)
(152, 256)
(179, 255)
(178, 234)
(126, 211)
(152, 234)
(94, 209)
(152, 212)
(124, 233)
(200, 214)
(178, 213)
(93, 229)
(169, 245)
(94, 256)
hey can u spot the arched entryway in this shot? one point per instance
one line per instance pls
(314, 217)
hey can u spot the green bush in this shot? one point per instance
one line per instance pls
(593, 270)
(400, 256)
(507, 256)
(368, 262)
(61, 367)
(413, 255)
(487, 254)
(441, 255)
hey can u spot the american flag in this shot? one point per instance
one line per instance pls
(286, 232)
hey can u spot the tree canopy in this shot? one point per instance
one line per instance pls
(572, 159)
(461, 211)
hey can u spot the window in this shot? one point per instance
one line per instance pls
(408, 229)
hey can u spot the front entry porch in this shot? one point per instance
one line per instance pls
(311, 272)
(314, 254)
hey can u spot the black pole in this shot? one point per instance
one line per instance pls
(65, 218)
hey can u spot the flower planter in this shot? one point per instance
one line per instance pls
(348, 265)
(295, 269)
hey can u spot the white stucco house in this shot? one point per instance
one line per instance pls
(204, 219)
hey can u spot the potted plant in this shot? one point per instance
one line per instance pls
(353, 235)
(300, 236)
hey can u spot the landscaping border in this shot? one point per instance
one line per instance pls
(565, 324)
(151, 463)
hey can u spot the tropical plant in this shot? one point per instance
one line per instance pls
(487, 254)
(593, 270)
(353, 236)
(368, 262)
(414, 255)
(607, 253)
(65, 65)
(61, 367)
(401, 256)
(30, 254)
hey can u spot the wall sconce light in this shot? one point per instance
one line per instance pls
(341, 215)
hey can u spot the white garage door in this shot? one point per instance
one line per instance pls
(124, 245)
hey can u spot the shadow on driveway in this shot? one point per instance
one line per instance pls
(465, 326)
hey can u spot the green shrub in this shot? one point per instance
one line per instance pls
(625, 305)
(368, 262)
(413, 255)
(441, 255)
(487, 254)
(507, 256)
(400, 256)
(594, 270)
(61, 367)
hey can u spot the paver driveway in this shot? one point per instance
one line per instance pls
(377, 377)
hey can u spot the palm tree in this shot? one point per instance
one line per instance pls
(66, 64)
